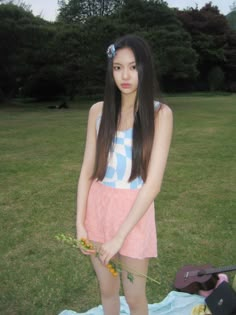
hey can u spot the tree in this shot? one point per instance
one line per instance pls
(19, 3)
(10, 43)
(208, 29)
(216, 79)
(78, 11)
(174, 58)
(231, 17)
(65, 50)
(230, 64)
(24, 40)
(233, 6)
(148, 14)
(46, 84)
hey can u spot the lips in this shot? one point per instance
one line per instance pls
(125, 85)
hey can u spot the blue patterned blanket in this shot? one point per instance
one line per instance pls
(175, 303)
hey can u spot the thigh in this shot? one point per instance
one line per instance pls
(138, 268)
(109, 284)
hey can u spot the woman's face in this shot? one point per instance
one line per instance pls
(124, 71)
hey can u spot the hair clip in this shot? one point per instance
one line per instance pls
(111, 51)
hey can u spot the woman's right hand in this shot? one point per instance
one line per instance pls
(82, 233)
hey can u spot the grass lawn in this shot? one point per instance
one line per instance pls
(41, 153)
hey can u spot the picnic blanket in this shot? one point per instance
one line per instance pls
(175, 303)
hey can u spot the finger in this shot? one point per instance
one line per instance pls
(107, 259)
(101, 251)
(88, 252)
(102, 258)
(91, 251)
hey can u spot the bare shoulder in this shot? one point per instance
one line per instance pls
(96, 108)
(95, 111)
(164, 124)
(164, 113)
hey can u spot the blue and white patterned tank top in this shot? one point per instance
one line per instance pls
(119, 162)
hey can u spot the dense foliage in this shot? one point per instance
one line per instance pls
(231, 17)
(194, 49)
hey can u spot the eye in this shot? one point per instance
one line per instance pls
(133, 67)
(116, 68)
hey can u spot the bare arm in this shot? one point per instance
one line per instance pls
(152, 186)
(87, 168)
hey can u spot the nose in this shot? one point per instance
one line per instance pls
(125, 73)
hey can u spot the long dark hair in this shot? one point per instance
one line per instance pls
(143, 127)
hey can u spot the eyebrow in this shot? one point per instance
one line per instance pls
(117, 63)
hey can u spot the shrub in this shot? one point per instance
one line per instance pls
(216, 78)
(47, 84)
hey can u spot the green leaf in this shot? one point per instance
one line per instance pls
(130, 277)
(118, 269)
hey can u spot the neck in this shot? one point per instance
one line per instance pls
(127, 101)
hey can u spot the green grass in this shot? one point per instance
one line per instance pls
(41, 154)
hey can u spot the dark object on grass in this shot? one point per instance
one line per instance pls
(60, 106)
(223, 300)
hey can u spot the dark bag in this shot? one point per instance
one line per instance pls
(222, 301)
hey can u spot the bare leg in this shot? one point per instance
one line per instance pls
(135, 292)
(109, 288)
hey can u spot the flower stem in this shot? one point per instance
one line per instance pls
(128, 269)
(77, 243)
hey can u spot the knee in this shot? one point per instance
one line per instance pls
(136, 302)
(109, 290)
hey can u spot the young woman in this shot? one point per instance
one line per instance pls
(127, 145)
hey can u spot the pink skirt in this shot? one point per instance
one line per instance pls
(107, 208)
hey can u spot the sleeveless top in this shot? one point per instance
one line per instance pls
(119, 162)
